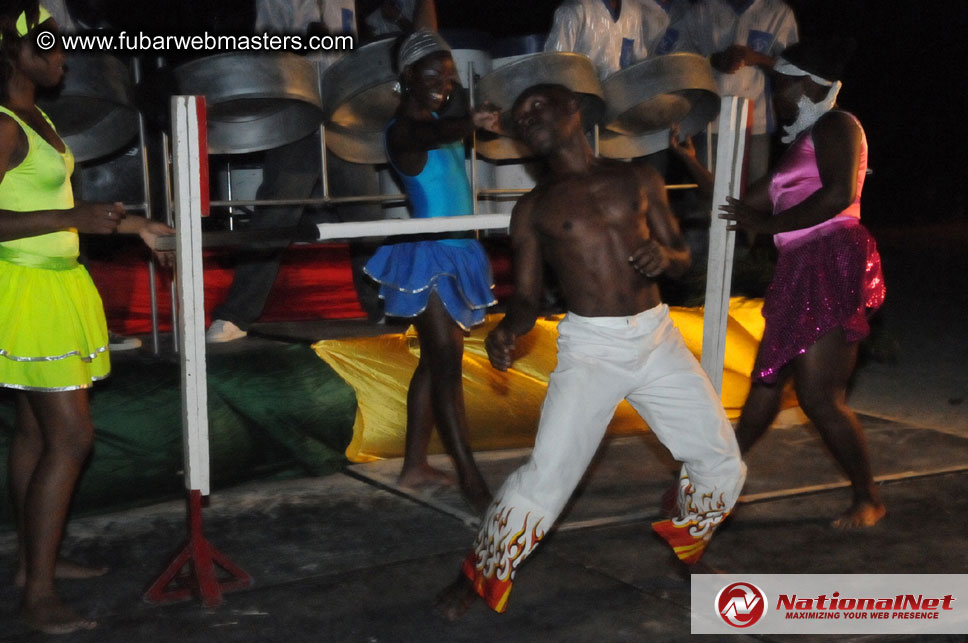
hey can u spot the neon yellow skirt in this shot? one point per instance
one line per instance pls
(53, 336)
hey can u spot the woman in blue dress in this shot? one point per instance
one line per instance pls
(442, 284)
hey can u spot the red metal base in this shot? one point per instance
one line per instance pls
(192, 572)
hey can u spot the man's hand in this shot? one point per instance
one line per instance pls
(743, 217)
(488, 117)
(650, 259)
(150, 233)
(729, 60)
(683, 148)
(96, 218)
(500, 345)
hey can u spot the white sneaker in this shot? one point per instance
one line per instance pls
(117, 343)
(222, 330)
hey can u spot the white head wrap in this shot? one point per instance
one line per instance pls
(787, 68)
(808, 112)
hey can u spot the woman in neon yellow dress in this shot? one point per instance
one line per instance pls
(53, 337)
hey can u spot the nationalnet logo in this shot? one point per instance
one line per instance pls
(906, 606)
(830, 603)
(741, 604)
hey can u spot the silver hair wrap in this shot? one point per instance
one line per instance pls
(419, 44)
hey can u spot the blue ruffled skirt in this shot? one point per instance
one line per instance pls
(457, 270)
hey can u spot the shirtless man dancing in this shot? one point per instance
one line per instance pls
(606, 229)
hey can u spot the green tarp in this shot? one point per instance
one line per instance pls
(274, 410)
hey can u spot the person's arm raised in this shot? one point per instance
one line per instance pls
(409, 140)
(455, 123)
(686, 152)
(425, 15)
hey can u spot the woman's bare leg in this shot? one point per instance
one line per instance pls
(416, 472)
(25, 451)
(821, 376)
(760, 409)
(442, 346)
(64, 421)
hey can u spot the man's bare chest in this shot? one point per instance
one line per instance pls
(580, 208)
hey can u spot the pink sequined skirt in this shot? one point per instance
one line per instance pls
(820, 283)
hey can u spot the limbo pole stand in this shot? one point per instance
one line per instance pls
(734, 124)
(193, 569)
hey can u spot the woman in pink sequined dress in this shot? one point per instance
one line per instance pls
(828, 276)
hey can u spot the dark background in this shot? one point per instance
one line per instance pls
(907, 82)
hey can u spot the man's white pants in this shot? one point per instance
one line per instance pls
(602, 360)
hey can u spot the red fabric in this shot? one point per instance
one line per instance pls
(314, 282)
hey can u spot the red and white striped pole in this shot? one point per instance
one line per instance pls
(192, 571)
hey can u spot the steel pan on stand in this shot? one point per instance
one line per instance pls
(117, 176)
(513, 75)
(94, 112)
(619, 146)
(358, 100)
(644, 100)
(480, 172)
(513, 173)
(255, 102)
(95, 115)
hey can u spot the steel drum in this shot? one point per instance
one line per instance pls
(480, 61)
(358, 101)
(356, 146)
(255, 101)
(613, 145)
(654, 94)
(94, 112)
(115, 177)
(501, 148)
(503, 85)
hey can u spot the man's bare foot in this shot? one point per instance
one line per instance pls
(65, 570)
(455, 599)
(50, 616)
(861, 514)
(419, 478)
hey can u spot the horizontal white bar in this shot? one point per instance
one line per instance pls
(391, 227)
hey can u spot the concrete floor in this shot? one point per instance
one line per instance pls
(344, 558)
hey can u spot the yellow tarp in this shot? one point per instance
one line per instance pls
(503, 408)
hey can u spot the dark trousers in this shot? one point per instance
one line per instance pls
(292, 172)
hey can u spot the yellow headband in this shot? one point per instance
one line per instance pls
(23, 28)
